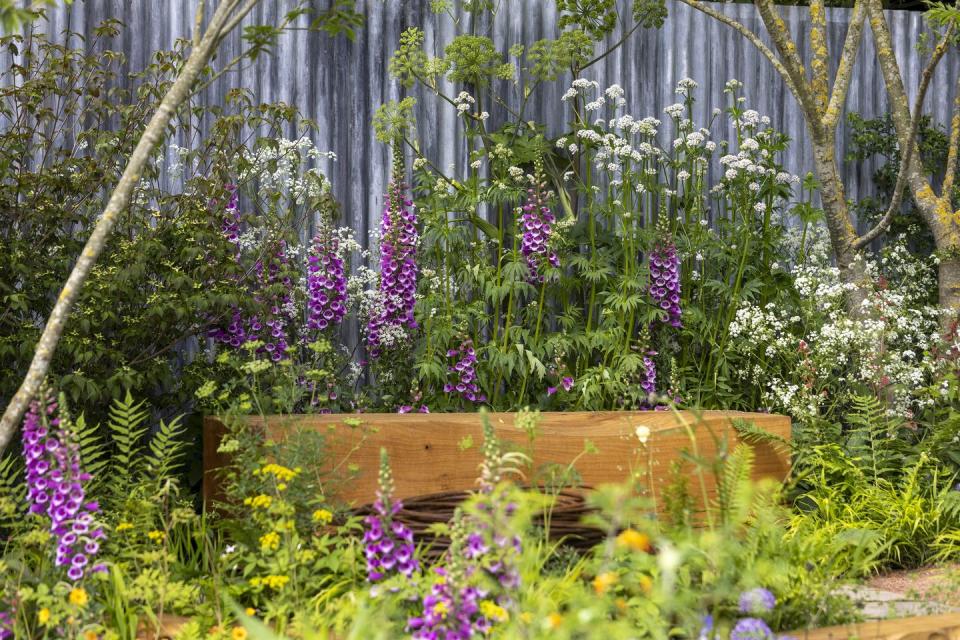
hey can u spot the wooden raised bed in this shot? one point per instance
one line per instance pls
(429, 452)
(941, 627)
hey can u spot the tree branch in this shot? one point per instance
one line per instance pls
(820, 64)
(848, 57)
(198, 22)
(119, 200)
(930, 206)
(911, 145)
(749, 35)
(791, 59)
(239, 16)
(953, 149)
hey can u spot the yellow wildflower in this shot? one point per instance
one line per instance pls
(441, 609)
(250, 611)
(78, 597)
(90, 635)
(261, 501)
(493, 611)
(280, 472)
(276, 582)
(123, 526)
(646, 584)
(634, 540)
(43, 616)
(156, 536)
(270, 541)
(322, 516)
(603, 582)
(282, 486)
(554, 620)
(238, 633)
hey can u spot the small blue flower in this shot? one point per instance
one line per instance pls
(751, 629)
(757, 601)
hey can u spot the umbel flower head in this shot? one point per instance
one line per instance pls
(537, 222)
(55, 485)
(464, 373)
(326, 283)
(757, 601)
(665, 280)
(388, 545)
(751, 629)
(398, 262)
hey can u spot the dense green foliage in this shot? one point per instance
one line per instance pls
(497, 319)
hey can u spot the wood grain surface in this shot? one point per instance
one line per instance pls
(941, 627)
(430, 453)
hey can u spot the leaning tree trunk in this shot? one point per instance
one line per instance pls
(224, 19)
(949, 285)
(843, 236)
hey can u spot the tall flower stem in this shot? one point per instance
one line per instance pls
(536, 338)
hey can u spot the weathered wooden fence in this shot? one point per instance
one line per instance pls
(340, 84)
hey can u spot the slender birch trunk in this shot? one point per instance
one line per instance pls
(936, 209)
(226, 16)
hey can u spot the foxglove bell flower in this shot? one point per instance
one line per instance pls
(665, 281)
(275, 332)
(55, 486)
(409, 409)
(230, 223)
(388, 544)
(464, 373)
(326, 284)
(449, 612)
(536, 223)
(271, 329)
(648, 380)
(398, 265)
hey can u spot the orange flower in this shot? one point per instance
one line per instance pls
(646, 584)
(634, 540)
(603, 582)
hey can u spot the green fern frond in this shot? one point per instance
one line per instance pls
(128, 426)
(167, 449)
(950, 506)
(93, 451)
(11, 478)
(750, 433)
(870, 440)
(734, 486)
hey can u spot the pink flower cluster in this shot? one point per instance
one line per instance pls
(537, 225)
(464, 372)
(648, 381)
(55, 487)
(449, 612)
(665, 281)
(326, 284)
(398, 266)
(388, 544)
